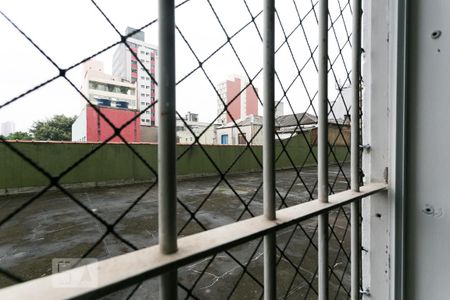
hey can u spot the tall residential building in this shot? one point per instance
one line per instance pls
(126, 65)
(245, 104)
(7, 128)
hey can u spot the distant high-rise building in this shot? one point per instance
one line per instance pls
(7, 128)
(125, 65)
(279, 109)
(242, 104)
(341, 106)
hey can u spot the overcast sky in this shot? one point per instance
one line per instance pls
(70, 30)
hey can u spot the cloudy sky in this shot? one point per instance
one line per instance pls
(70, 30)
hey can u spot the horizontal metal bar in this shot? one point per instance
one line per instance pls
(127, 269)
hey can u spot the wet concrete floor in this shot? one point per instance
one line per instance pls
(54, 226)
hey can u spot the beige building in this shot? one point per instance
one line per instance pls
(250, 130)
(107, 90)
(185, 136)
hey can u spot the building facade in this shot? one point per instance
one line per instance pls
(248, 129)
(185, 136)
(106, 90)
(8, 127)
(110, 96)
(279, 109)
(240, 105)
(125, 65)
(90, 126)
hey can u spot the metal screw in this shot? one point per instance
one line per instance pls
(436, 34)
(428, 210)
(365, 292)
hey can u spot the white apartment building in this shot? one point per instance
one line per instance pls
(126, 65)
(184, 135)
(106, 90)
(6, 128)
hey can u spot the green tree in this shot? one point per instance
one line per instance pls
(58, 128)
(19, 135)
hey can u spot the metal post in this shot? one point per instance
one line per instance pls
(166, 146)
(355, 142)
(269, 146)
(322, 144)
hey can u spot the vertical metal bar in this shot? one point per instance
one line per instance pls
(355, 142)
(355, 250)
(322, 144)
(269, 146)
(355, 78)
(167, 143)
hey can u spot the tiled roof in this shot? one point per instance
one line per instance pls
(293, 120)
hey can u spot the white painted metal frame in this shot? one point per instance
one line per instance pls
(127, 269)
(384, 105)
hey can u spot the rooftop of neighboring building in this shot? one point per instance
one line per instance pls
(295, 119)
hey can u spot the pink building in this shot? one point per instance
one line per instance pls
(242, 104)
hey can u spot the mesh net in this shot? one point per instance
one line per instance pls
(226, 38)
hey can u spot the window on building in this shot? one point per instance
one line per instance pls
(224, 139)
(241, 139)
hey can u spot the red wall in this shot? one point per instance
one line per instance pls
(234, 109)
(98, 130)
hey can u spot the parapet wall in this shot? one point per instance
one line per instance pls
(113, 164)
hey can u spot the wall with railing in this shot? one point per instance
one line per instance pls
(115, 164)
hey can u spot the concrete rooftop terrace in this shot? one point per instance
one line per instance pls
(56, 227)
